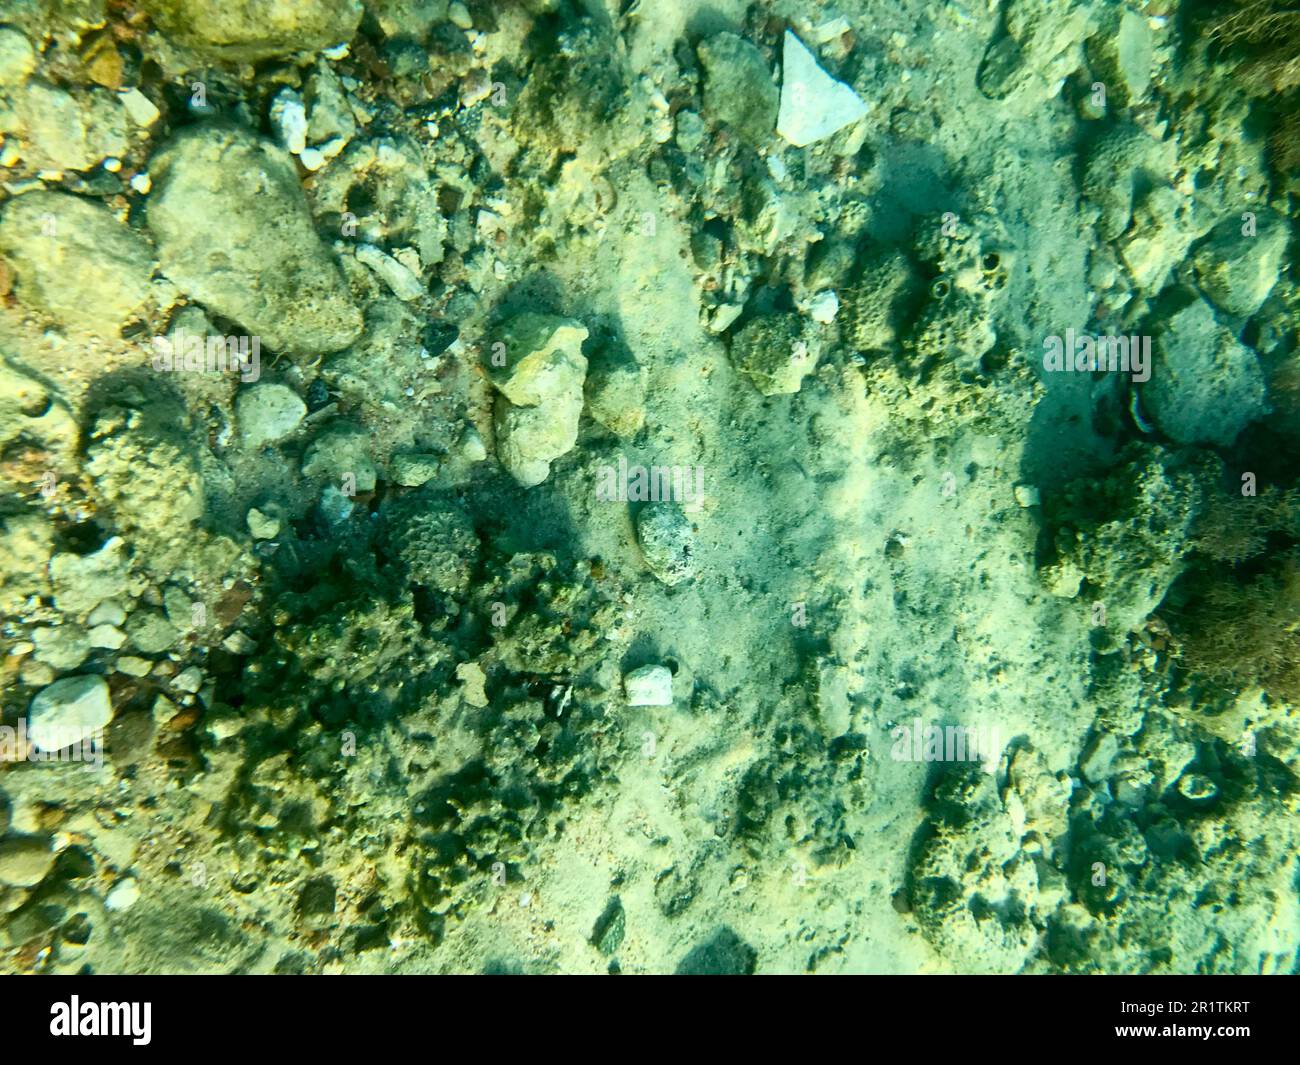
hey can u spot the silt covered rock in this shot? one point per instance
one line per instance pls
(1205, 386)
(235, 234)
(75, 261)
(249, 30)
(772, 352)
(738, 87)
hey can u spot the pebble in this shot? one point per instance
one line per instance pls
(262, 526)
(124, 895)
(68, 711)
(472, 446)
(139, 107)
(132, 666)
(189, 680)
(667, 541)
(399, 279)
(109, 612)
(412, 469)
(268, 413)
(150, 632)
(823, 307)
(458, 13)
(1027, 495)
(238, 643)
(289, 120)
(649, 686)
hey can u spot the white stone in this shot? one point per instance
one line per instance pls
(472, 446)
(824, 306)
(1027, 495)
(813, 104)
(289, 119)
(311, 159)
(262, 526)
(237, 643)
(649, 686)
(68, 711)
(139, 107)
(123, 896)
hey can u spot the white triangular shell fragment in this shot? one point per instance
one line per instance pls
(813, 104)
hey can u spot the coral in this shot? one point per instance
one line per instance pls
(1266, 35)
(1242, 635)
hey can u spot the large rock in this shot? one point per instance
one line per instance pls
(75, 261)
(235, 234)
(541, 386)
(68, 711)
(25, 861)
(1205, 386)
(248, 30)
(1238, 263)
(60, 131)
(738, 87)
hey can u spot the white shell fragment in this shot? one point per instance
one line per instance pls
(813, 104)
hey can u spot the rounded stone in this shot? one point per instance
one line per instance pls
(69, 711)
(25, 861)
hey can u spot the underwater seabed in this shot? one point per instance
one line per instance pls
(576, 486)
